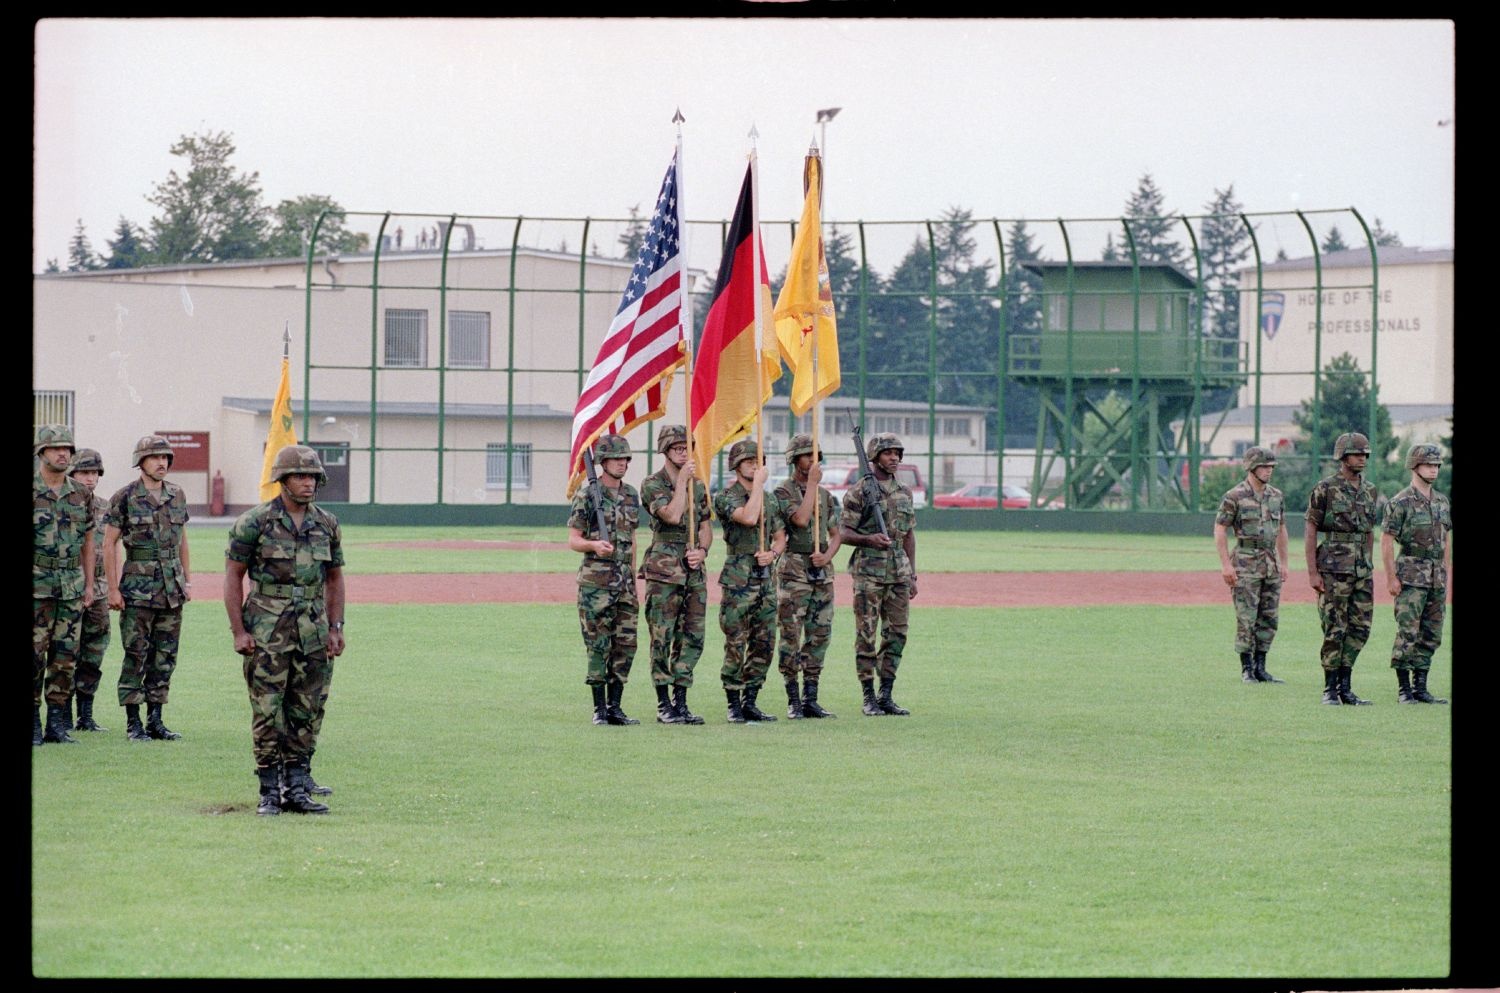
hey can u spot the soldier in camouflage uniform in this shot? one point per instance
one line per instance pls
(290, 626)
(1344, 507)
(884, 566)
(1254, 511)
(804, 595)
(747, 600)
(607, 605)
(676, 584)
(62, 579)
(149, 517)
(1419, 518)
(86, 469)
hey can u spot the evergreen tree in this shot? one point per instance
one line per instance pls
(51, 266)
(1111, 252)
(1223, 245)
(127, 250)
(634, 235)
(211, 214)
(81, 257)
(1150, 227)
(1344, 407)
(1384, 237)
(1023, 303)
(292, 222)
(1445, 474)
(1334, 241)
(1281, 255)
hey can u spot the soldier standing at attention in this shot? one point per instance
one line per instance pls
(1420, 518)
(149, 517)
(676, 585)
(62, 579)
(289, 628)
(86, 469)
(1255, 512)
(607, 605)
(1344, 508)
(804, 595)
(747, 598)
(884, 567)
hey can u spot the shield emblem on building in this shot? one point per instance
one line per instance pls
(1272, 305)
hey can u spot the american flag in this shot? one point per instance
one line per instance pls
(644, 345)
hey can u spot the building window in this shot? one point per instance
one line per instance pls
(916, 425)
(886, 424)
(406, 338)
(1240, 448)
(838, 423)
(469, 339)
(495, 463)
(778, 424)
(51, 407)
(956, 427)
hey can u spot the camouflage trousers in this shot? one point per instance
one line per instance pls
(747, 616)
(1419, 626)
(804, 612)
(150, 636)
(288, 692)
(607, 618)
(55, 625)
(1347, 608)
(92, 644)
(674, 616)
(1257, 611)
(884, 609)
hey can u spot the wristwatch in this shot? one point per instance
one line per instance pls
(336, 626)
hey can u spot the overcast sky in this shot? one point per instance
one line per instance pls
(572, 117)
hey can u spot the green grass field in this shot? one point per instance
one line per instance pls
(1086, 792)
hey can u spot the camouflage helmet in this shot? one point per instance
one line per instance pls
(53, 436)
(151, 444)
(1255, 457)
(881, 443)
(743, 449)
(86, 460)
(801, 444)
(672, 434)
(295, 460)
(1423, 455)
(1352, 443)
(612, 446)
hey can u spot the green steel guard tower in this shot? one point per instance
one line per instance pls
(1131, 329)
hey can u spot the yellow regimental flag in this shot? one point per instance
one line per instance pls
(281, 433)
(804, 312)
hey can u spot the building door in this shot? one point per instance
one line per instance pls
(335, 456)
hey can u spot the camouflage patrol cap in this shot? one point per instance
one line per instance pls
(743, 449)
(612, 446)
(672, 434)
(53, 436)
(151, 444)
(295, 460)
(1423, 455)
(881, 443)
(1352, 443)
(1255, 457)
(801, 444)
(86, 460)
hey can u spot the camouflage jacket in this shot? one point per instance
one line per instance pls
(1255, 521)
(886, 565)
(101, 581)
(287, 566)
(152, 573)
(663, 562)
(1421, 527)
(59, 523)
(622, 514)
(741, 541)
(1346, 511)
(799, 541)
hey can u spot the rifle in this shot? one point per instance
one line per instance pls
(596, 497)
(867, 475)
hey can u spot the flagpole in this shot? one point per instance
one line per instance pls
(687, 339)
(813, 154)
(760, 365)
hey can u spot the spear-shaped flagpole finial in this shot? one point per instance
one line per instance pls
(677, 118)
(754, 134)
(812, 146)
(286, 340)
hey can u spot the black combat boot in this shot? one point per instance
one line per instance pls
(86, 720)
(665, 712)
(133, 729)
(36, 724)
(613, 692)
(1331, 688)
(1247, 668)
(1403, 690)
(793, 700)
(750, 710)
(810, 706)
(679, 700)
(736, 714)
(870, 708)
(154, 727)
(57, 726)
(1260, 670)
(1345, 693)
(67, 712)
(887, 705)
(294, 795)
(1419, 690)
(270, 791)
(312, 787)
(601, 710)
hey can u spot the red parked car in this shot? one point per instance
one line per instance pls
(973, 495)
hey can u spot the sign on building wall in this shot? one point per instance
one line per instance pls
(189, 450)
